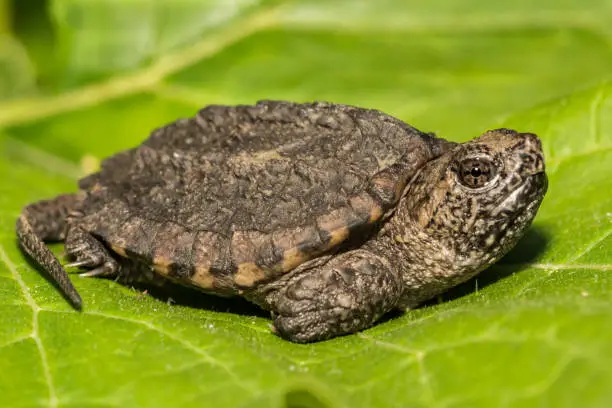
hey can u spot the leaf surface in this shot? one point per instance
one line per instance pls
(533, 330)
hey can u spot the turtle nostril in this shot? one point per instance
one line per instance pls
(532, 162)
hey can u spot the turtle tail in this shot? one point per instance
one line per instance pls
(46, 220)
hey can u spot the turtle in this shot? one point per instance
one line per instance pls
(328, 216)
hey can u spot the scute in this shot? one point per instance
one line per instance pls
(241, 194)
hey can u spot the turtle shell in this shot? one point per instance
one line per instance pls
(239, 195)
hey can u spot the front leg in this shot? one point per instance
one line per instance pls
(347, 293)
(88, 252)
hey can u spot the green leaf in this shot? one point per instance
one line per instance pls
(533, 330)
(16, 72)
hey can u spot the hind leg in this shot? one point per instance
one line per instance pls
(346, 294)
(87, 251)
(48, 218)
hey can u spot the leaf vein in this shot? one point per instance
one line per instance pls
(26, 110)
(591, 245)
(53, 400)
(206, 357)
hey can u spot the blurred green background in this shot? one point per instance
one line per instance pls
(82, 79)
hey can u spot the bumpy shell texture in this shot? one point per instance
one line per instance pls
(239, 195)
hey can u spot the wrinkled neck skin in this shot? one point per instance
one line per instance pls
(428, 265)
(441, 235)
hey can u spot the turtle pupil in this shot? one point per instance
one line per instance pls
(476, 172)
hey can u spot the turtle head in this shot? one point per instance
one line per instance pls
(478, 198)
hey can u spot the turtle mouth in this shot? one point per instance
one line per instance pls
(514, 213)
(526, 195)
(538, 185)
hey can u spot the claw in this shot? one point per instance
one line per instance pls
(100, 271)
(76, 264)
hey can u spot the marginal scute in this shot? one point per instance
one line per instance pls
(209, 249)
(173, 251)
(338, 236)
(202, 277)
(364, 205)
(162, 265)
(292, 258)
(302, 244)
(248, 274)
(304, 237)
(294, 246)
(247, 247)
(335, 226)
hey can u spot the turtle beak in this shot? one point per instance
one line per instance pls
(532, 161)
(532, 156)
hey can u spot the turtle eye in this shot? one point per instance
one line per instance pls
(476, 172)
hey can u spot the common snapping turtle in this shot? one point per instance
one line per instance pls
(327, 215)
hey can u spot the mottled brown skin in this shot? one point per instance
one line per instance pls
(327, 215)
